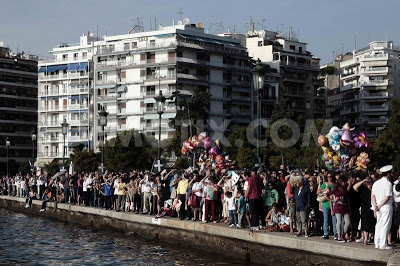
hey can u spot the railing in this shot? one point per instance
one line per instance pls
(77, 106)
(105, 82)
(156, 77)
(192, 77)
(107, 50)
(376, 107)
(79, 58)
(50, 124)
(375, 69)
(54, 154)
(53, 108)
(377, 120)
(82, 122)
(121, 127)
(221, 49)
(59, 76)
(300, 65)
(122, 111)
(79, 90)
(75, 138)
(77, 75)
(376, 95)
(240, 83)
(125, 63)
(375, 55)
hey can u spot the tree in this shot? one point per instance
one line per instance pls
(84, 160)
(235, 138)
(385, 149)
(245, 157)
(24, 168)
(52, 168)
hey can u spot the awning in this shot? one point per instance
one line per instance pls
(150, 116)
(78, 111)
(122, 89)
(76, 144)
(42, 70)
(165, 35)
(72, 67)
(55, 68)
(41, 162)
(168, 115)
(83, 66)
(108, 86)
(149, 100)
(213, 41)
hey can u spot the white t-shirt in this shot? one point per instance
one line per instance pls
(84, 185)
(196, 186)
(116, 184)
(383, 188)
(246, 185)
(396, 194)
(231, 203)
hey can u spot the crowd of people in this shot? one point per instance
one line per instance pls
(355, 206)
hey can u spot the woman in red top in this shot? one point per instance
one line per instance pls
(341, 208)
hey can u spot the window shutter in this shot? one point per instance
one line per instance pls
(123, 105)
(171, 54)
(123, 74)
(142, 57)
(142, 72)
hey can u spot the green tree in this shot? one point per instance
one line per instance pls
(84, 160)
(24, 168)
(245, 157)
(52, 168)
(385, 149)
(235, 138)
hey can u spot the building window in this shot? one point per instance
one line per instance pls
(260, 43)
(84, 55)
(134, 44)
(292, 47)
(308, 105)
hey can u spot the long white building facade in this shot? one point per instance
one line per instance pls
(124, 73)
(369, 80)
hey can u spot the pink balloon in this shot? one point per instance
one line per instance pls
(207, 143)
(213, 151)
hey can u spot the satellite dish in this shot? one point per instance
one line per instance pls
(179, 22)
(186, 21)
(200, 25)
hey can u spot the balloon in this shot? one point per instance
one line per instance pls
(195, 141)
(188, 145)
(218, 142)
(323, 141)
(207, 143)
(213, 151)
(202, 136)
(345, 139)
(362, 161)
(335, 137)
(184, 150)
(360, 140)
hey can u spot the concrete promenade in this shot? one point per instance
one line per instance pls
(258, 245)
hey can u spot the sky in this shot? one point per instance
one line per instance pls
(328, 26)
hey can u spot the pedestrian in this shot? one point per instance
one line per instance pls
(382, 198)
(254, 196)
(301, 198)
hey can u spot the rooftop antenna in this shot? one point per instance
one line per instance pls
(355, 41)
(97, 33)
(150, 24)
(180, 12)
(234, 28)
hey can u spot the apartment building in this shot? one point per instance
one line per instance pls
(369, 80)
(124, 73)
(65, 93)
(18, 107)
(131, 69)
(297, 68)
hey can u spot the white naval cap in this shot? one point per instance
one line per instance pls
(386, 169)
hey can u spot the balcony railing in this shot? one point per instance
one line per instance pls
(53, 154)
(126, 63)
(300, 65)
(108, 50)
(376, 95)
(376, 108)
(79, 58)
(51, 77)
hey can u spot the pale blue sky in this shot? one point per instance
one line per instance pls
(36, 26)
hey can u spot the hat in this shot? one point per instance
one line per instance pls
(386, 169)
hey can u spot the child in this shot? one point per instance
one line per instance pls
(31, 196)
(233, 219)
(272, 219)
(241, 208)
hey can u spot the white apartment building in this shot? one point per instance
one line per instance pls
(125, 73)
(65, 91)
(297, 70)
(369, 80)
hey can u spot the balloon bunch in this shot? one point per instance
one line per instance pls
(206, 152)
(343, 150)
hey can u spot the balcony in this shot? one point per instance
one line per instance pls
(145, 46)
(77, 138)
(127, 63)
(373, 57)
(377, 120)
(240, 83)
(52, 108)
(66, 60)
(79, 90)
(311, 66)
(377, 108)
(43, 77)
(122, 111)
(50, 124)
(121, 127)
(376, 83)
(53, 154)
(79, 74)
(375, 70)
(77, 106)
(157, 77)
(376, 95)
(347, 111)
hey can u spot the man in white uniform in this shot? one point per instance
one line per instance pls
(381, 199)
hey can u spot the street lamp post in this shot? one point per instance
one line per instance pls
(103, 122)
(258, 74)
(64, 126)
(33, 136)
(8, 144)
(160, 101)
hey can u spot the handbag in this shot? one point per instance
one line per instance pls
(192, 202)
(321, 195)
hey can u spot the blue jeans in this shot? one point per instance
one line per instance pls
(233, 218)
(327, 218)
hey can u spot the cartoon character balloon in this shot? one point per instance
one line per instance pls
(362, 161)
(334, 138)
(360, 140)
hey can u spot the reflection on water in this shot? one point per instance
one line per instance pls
(36, 240)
